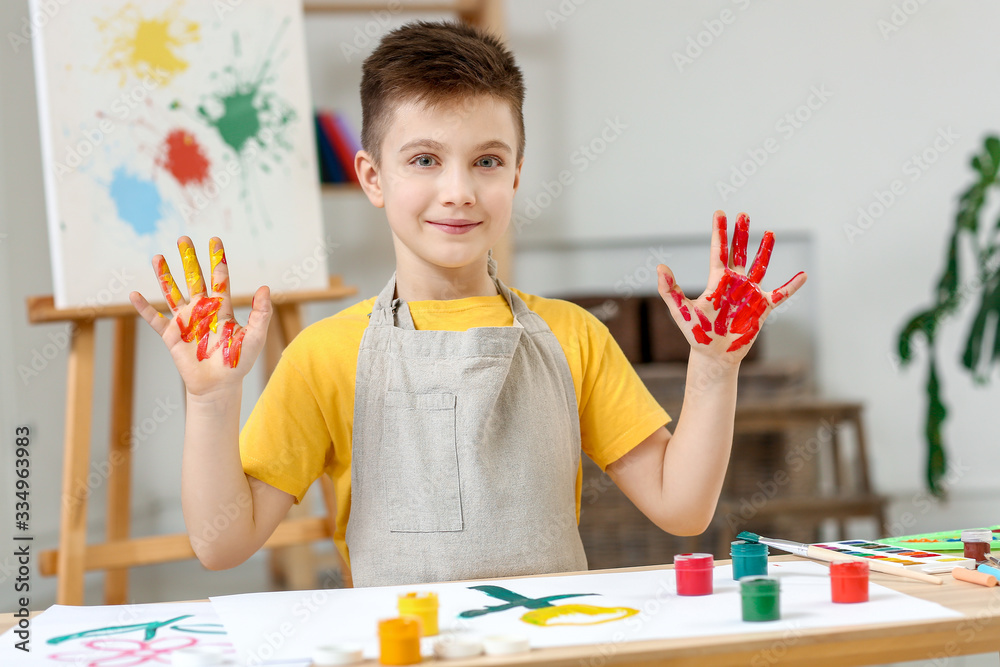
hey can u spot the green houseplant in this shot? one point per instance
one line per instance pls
(957, 285)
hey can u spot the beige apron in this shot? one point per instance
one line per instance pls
(466, 448)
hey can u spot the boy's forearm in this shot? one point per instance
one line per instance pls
(696, 458)
(215, 493)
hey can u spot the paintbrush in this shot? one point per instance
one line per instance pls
(818, 553)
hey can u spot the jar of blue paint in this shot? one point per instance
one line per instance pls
(749, 559)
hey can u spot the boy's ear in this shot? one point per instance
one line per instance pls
(517, 174)
(368, 174)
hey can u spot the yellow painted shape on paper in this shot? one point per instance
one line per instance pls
(577, 614)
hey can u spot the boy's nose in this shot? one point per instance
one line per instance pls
(457, 188)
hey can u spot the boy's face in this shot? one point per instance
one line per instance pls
(447, 181)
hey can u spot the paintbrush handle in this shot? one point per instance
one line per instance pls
(886, 568)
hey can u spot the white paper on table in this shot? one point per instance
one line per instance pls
(119, 635)
(270, 627)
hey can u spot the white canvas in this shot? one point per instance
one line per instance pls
(169, 117)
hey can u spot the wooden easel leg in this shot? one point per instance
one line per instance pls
(76, 461)
(120, 453)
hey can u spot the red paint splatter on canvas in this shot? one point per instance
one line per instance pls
(184, 158)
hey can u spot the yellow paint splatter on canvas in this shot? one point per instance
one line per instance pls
(146, 47)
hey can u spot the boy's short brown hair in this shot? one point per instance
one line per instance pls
(436, 63)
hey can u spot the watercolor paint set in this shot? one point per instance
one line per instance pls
(948, 540)
(914, 559)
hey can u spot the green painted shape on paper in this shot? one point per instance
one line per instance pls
(514, 600)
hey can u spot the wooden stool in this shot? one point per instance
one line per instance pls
(836, 485)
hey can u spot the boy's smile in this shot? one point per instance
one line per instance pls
(447, 180)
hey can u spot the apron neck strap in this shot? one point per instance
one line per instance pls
(389, 311)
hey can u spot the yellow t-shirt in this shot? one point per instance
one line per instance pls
(303, 422)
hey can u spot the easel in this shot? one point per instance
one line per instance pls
(118, 553)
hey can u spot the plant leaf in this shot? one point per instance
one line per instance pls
(989, 306)
(948, 283)
(992, 144)
(923, 322)
(937, 462)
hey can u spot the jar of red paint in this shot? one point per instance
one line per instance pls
(694, 573)
(849, 581)
(977, 544)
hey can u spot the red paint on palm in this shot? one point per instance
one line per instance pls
(706, 324)
(231, 352)
(740, 304)
(701, 336)
(201, 323)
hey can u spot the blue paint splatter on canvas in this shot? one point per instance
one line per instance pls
(137, 201)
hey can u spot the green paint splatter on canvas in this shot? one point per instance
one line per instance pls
(250, 118)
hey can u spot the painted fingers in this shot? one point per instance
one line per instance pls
(152, 316)
(788, 289)
(720, 243)
(220, 277)
(171, 294)
(740, 237)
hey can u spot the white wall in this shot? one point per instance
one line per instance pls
(651, 191)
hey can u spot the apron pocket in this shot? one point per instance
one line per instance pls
(420, 463)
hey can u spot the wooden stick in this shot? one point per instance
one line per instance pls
(820, 553)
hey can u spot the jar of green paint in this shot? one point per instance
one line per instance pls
(760, 598)
(749, 559)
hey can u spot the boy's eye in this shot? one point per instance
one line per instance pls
(490, 162)
(424, 160)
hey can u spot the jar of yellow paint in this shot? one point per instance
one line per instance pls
(423, 606)
(399, 641)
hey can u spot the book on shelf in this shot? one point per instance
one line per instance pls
(337, 147)
(330, 169)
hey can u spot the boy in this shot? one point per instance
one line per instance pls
(450, 410)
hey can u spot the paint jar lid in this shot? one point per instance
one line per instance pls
(977, 535)
(743, 548)
(694, 561)
(759, 584)
(849, 568)
(406, 627)
(417, 602)
(451, 648)
(506, 644)
(200, 656)
(337, 654)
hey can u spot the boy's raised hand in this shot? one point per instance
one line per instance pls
(209, 348)
(725, 319)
